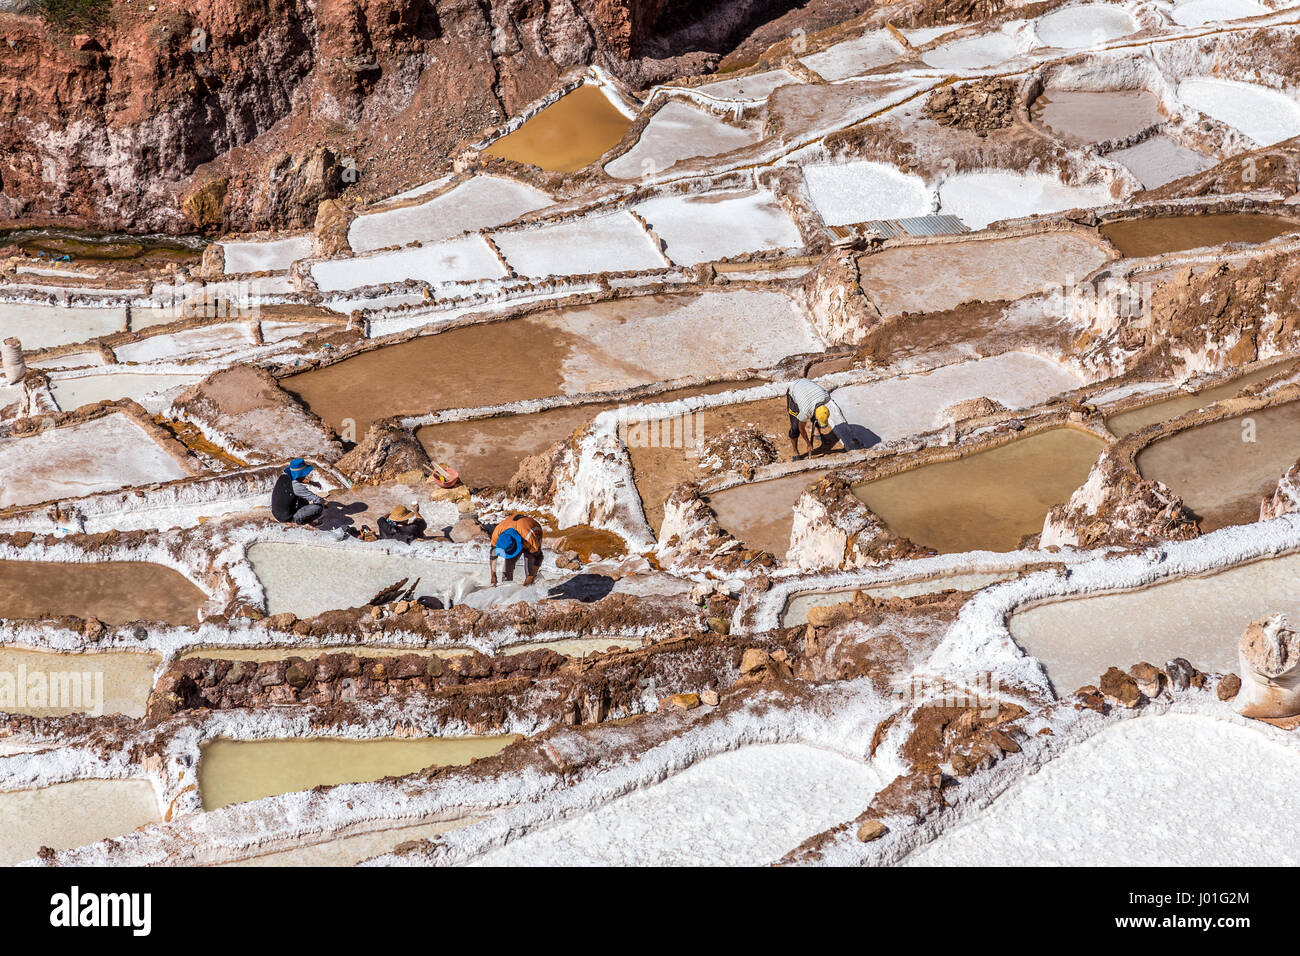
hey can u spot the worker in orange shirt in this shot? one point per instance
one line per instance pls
(515, 536)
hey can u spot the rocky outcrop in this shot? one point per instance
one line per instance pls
(981, 107)
(840, 310)
(387, 451)
(1285, 499)
(834, 530)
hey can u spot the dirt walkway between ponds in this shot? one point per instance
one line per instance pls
(487, 451)
(115, 592)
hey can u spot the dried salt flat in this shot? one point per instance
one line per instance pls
(711, 226)
(923, 35)
(275, 255)
(978, 199)
(758, 86)
(908, 405)
(1089, 24)
(478, 203)
(855, 56)
(456, 260)
(45, 326)
(1160, 159)
(209, 340)
(796, 610)
(99, 455)
(1266, 116)
(73, 393)
(351, 850)
(974, 52)
(68, 815)
(747, 807)
(862, 190)
(603, 242)
(1173, 790)
(127, 678)
(676, 132)
(1199, 618)
(1195, 13)
(417, 191)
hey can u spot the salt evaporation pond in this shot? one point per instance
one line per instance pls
(103, 683)
(599, 242)
(862, 190)
(1157, 235)
(972, 52)
(1197, 618)
(1195, 13)
(757, 86)
(747, 807)
(274, 255)
(986, 501)
(236, 771)
(354, 848)
(455, 260)
(115, 592)
(611, 345)
(978, 199)
(571, 133)
(1160, 159)
(45, 326)
(796, 609)
(1126, 423)
(677, 132)
(1176, 790)
(68, 815)
(72, 393)
(478, 203)
(1085, 25)
(854, 57)
(1266, 116)
(1223, 470)
(704, 227)
(1091, 116)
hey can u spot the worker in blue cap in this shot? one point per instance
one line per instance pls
(292, 499)
(515, 536)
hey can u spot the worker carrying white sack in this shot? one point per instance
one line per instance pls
(812, 410)
(1269, 657)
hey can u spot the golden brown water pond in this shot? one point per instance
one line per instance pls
(1126, 423)
(1224, 469)
(235, 771)
(571, 133)
(116, 592)
(987, 501)
(1141, 238)
(1094, 116)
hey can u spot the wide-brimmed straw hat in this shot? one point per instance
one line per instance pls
(403, 513)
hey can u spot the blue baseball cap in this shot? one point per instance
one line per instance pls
(300, 469)
(509, 545)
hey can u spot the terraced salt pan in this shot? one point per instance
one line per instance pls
(1175, 790)
(455, 260)
(758, 86)
(939, 276)
(744, 808)
(1095, 116)
(862, 190)
(477, 203)
(855, 56)
(351, 850)
(605, 242)
(45, 326)
(99, 455)
(68, 815)
(236, 771)
(978, 199)
(911, 404)
(272, 256)
(796, 609)
(702, 228)
(1125, 423)
(104, 683)
(1089, 24)
(73, 393)
(115, 592)
(1199, 618)
(209, 340)
(1160, 159)
(1194, 13)
(569, 134)
(972, 52)
(1266, 116)
(676, 132)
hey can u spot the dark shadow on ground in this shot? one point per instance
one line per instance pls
(583, 587)
(339, 516)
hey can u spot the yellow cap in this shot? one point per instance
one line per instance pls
(823, 414)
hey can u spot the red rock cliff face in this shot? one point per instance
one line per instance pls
(244, 114)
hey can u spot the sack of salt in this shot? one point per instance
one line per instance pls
(1269, 656)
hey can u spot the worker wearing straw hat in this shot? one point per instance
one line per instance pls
(402, 524)
(515, 536)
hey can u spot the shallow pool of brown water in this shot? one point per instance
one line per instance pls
(235, 771)
(1220, 473)
(987, 501)
(1089, 116)
(1141, 238)
(571, 133)
(51, 684)
(761, 513)
(1126, 423)
(116, 592)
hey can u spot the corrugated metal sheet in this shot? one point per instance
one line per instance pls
(911, 226)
